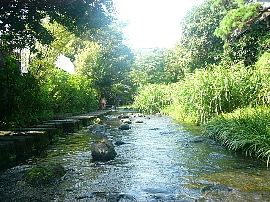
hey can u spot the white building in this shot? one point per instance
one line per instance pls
(265, 3)
(64, 63)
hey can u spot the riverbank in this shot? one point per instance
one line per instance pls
(245, 130)
(18, 144)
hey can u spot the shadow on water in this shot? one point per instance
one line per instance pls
(157, 160)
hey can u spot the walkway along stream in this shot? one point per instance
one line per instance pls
(157, 160)
(20, 143)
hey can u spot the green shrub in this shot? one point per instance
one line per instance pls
(19, 97)
(68, 93)
(29, 99)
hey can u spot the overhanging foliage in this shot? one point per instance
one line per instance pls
(20, 20)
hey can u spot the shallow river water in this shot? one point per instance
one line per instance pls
(160, 161)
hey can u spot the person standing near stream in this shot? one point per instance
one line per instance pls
(117, 101)
(103, 103)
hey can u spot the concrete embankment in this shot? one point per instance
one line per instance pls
(19, 144)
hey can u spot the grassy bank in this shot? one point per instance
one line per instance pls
(246, 130)
(227, 100)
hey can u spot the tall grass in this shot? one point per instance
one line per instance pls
(152, 98)
(233, 103)
(208, 93)
(246, 130)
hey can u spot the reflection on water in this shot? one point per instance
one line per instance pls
(159, 161)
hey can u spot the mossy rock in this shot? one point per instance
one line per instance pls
(41, 175)
(103, 150)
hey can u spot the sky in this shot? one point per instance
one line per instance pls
(153, 23)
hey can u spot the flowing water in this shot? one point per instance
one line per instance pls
(160, 161)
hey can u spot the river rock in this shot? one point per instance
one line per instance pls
(138, 121)
(138, 115)
(119, 196)
(42, 175)
(97, 129)
(128, 121)
(124, 126)
(122, 116)
(158, 114)
(103, 150)
(197, 139)
(108, 196)
(119, 142)
(216, 188)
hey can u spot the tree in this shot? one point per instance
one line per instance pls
(87, 60)
(157, 67)
(20, 20)
(115, 62)
(48, 28)
(243, 32)
(237, 20)
(106, 61)
(173, 69)
(198, 44)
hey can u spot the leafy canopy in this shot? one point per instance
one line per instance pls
(239, 14)
(236, 20)
(198, 45)
(20, 20)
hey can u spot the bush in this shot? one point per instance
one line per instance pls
(68, 93)
(20, 96)
(27, 99)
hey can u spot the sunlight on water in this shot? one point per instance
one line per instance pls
(160, 161)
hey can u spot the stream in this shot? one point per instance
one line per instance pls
(160, 161)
